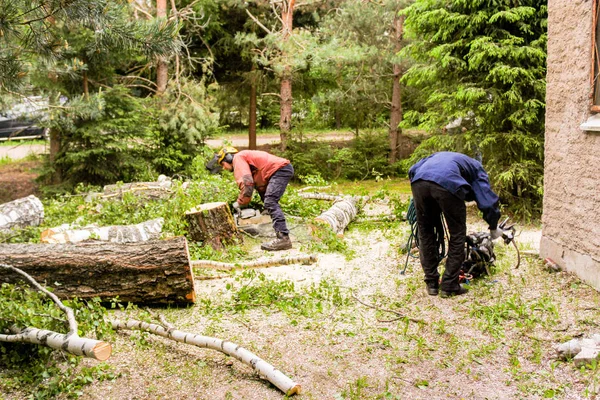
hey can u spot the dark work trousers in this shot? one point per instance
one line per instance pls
(275, 189)
(431, 200)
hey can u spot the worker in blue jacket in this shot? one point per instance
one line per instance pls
(440, 184)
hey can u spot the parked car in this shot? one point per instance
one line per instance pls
(16, 128)
(18, 122)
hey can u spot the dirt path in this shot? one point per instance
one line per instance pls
(22, 149)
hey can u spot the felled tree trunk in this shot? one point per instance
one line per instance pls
(265, 370)
(149, 272)
(152, 190)
(212, 223)
(341, 213)
(27, 211)
(142, 232)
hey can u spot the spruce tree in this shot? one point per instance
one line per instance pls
(484, 62)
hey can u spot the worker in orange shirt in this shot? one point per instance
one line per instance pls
(269, 175)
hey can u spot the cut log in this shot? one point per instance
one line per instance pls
(27, 211)
(71, 342)
(264, 369)
(148, 272)
(341, 213)
(301, 259)
(213, 223)
(142, 232)
(151, 190)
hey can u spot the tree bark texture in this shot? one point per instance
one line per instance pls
(26, 211)
(70, 343)
(285, 116)
(162, 68)
(396, 110)
(252, 112)
(142, 232)
(213, 224)
(149, 272)
(341, 213)
(264, 369)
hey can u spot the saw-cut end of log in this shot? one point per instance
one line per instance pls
(295, 390)
(102, 351)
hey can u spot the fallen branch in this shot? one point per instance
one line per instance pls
(320, 196)
(304, 189)
(306, 260)
(400, 315)
(70, 342)
(265, 370)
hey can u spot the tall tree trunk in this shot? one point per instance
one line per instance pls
(396, 110)
(161, 65)
(86, 86)
(55, 145)
(252, 111)
(285, 117)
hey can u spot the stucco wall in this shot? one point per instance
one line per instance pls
(571, 215)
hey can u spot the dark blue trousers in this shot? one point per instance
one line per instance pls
(431, 200)
(275, 189)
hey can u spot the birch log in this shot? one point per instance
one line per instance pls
(142, 232)
(147, 272)
(70, 342)
(303, 259)
(264, 369)
(27, 211)
(341, 213)
(213, 223)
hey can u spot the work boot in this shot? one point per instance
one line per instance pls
(457, 292)
(281, 242)
(432, 289)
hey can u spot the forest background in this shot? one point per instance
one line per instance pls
(137, 87)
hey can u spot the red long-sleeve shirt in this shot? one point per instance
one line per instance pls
(252, 169)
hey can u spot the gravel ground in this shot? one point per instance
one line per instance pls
(352, 327)
(497, 342)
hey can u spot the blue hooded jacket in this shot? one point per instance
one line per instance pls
(462, 176)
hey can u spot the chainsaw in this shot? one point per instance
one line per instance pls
(479, 251)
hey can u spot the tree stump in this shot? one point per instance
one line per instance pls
(212, 223)
(147, 272)
(27, 211)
